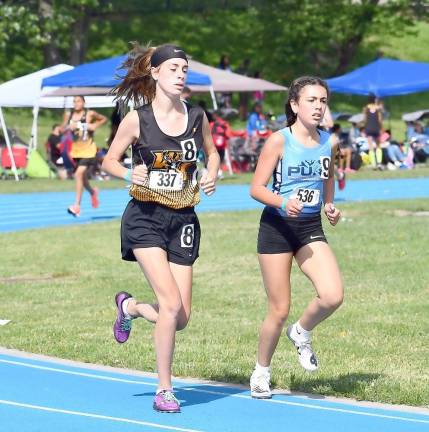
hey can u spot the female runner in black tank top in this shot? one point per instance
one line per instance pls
(159, 226)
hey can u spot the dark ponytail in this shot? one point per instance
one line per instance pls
(294, 92)
(137, 84)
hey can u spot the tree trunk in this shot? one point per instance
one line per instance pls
(51, 53)
(79, 38)
(346, 54)
(348, 49)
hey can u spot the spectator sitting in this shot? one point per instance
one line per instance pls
(420, 143)
(362, 146)
(393, 154)
(53, 151)
(362, 140)
(257, 126)
(257, 121)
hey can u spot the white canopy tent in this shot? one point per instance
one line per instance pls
(225, 81)
(416, 115)
(26, 91)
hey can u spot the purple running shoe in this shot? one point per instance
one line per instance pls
(165, 401)
(122, 326)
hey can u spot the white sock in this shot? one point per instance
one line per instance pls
(302, 332)
(162, 389)
(262, 369)
(125, 308)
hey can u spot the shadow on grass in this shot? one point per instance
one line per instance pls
(342, 384)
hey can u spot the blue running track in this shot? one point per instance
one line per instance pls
(37, 210)
(52, 395)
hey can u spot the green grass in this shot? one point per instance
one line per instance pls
(374, 348)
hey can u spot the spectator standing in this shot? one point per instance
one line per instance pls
(373, 122)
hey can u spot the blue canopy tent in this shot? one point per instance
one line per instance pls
(383, 77)
(104, 74)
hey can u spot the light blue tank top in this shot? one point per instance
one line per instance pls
(301, 173)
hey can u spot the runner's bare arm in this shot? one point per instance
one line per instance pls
(331, 212)
(208, 180)
(96, 120)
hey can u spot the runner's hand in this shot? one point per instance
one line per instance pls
(332, 213)
(293, 207)
(139, 174)
(207, 183)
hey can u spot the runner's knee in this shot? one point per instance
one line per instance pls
(279, 312)
(332, 300)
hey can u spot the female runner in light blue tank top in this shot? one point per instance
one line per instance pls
(301, 160)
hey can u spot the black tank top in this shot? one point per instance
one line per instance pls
(171, 161)
(372, 121)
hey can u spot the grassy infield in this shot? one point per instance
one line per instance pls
(374, 348)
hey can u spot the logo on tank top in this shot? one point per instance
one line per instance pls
(311, 168)
(168, 160)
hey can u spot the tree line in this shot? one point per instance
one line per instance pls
(282, 38)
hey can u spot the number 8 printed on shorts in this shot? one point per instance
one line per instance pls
(187, 237)
(189, 150)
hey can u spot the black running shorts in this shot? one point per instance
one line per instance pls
(85, 162)
(279, 234)
(146, 224)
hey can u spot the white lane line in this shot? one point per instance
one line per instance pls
(241, 396)
(88, 375)
(96, 416)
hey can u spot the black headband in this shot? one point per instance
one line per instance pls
(166, 52)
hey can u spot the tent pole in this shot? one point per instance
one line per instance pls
(212, 94)
(9, 147)
(228, 161)
(33, 139)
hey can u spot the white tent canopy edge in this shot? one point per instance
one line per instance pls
(26, 92)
